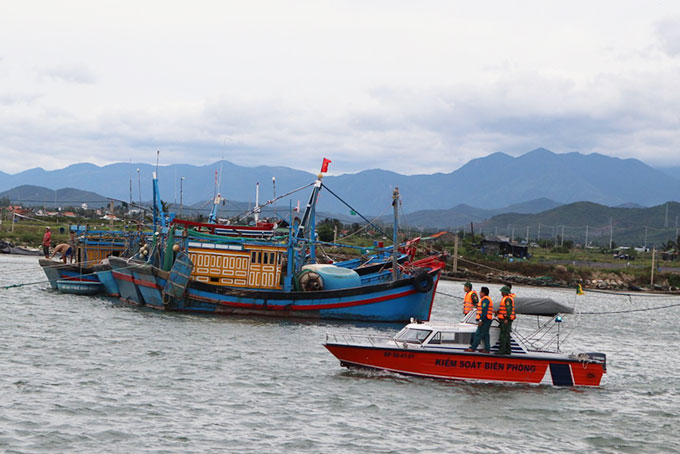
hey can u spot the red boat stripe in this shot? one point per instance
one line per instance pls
(149, 284)
(306, 307)
(122, 277)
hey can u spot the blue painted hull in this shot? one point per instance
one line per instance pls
(56, 271)
(122, 275)
(79, 287)
(384, 302)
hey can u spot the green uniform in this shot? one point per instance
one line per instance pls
(504, 346)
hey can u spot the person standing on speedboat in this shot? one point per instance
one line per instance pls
(505, 314)
(484, 319)
(471, 299)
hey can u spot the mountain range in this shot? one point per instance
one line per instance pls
(490, 183)
(627, 226)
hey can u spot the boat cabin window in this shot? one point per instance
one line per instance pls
(264, 258)
(413, 335)
(444, 337)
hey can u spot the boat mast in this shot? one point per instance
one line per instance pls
(158, 214)
(395, 229)
(216, 201)
(257, 202)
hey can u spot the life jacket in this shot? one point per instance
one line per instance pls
(507, 308)
(468, 302)
(489, 310)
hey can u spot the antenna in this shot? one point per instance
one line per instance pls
(276, 214)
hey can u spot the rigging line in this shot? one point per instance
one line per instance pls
(269, 202)
(484, 266)
(630, 310)
(645, 295)
(350, 207)
(5, 287)
(366, 226)
(448, 294)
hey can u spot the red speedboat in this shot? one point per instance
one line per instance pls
(437, 350)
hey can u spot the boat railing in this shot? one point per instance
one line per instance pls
(358, 339)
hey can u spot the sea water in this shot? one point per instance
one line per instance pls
(85, 374)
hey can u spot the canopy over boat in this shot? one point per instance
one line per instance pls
(541, 306)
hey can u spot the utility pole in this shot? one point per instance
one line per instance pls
(611, 233)
(586, 245)
(645, 246)
(139, 183)
(562, 240)
(652, 279)
(455, 254)
(512, 237)
(538, 238)
(181, 193)
(527, 234)
(555, 231)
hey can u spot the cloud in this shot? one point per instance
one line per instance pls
(668, 34)
(74, 74)
(404, 129)
(17, 99)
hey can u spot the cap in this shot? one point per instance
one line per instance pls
(467, 284)
(47, 228)
(505, 289)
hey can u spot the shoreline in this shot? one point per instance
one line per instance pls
(527, 281)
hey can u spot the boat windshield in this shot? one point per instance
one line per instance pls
(416, 336)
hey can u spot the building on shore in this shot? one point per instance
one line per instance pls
(498, 245)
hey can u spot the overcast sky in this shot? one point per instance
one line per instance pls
(413, 87)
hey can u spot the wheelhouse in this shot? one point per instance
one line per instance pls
(237, 265)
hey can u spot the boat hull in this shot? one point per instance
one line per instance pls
(388, 302)
(525, 369)
(79, 287)
(56, 271)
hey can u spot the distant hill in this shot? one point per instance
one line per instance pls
(491, 183)
(673, 172)
(462, 215)
(29, 195)
(628, 224)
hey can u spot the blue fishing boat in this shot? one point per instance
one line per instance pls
(196, 272)
(92, 249)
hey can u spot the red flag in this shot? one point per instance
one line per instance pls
(324, 166)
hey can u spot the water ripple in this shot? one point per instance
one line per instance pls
(83, 375)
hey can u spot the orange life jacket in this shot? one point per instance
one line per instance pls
(507, 308)
(489, 310)
(468, 302)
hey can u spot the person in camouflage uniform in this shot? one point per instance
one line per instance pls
(505, 315)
